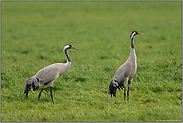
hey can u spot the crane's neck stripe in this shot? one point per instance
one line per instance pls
(67, 55)
(132, 41)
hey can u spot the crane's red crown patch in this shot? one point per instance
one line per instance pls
(133, 32)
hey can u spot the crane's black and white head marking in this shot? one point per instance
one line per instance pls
(133, 34)
(67, 46)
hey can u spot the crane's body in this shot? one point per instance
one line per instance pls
(125, 73)
(128, 69)
(49, 74)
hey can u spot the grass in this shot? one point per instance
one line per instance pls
(33, 34)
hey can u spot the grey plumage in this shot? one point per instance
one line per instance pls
(48, 74)
(124, 74)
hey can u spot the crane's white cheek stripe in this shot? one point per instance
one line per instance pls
(67, 46)
(132, 35)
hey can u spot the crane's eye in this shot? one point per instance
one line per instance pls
(69, 45)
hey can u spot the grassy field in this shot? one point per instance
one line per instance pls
(34, 33)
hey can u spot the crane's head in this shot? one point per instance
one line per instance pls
(31, 83)
(135, 33)
(68, 46)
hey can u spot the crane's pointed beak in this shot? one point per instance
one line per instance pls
(140, 33)
(74, 48)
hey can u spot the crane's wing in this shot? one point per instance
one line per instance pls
(47, 74)
(124, 71)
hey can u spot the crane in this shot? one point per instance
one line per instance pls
(125, 72)
(49, 74)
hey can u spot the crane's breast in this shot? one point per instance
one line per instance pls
(63, 68)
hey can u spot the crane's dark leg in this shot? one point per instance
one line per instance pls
(115, 93)
(124, 93)
(40, 93)
(51, 94)
(128, 93)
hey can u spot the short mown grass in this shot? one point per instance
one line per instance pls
(34, 33)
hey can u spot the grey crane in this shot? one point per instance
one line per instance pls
(49, 74)
(125, 72)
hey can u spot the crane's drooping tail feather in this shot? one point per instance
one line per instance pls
(114, 85)
(112, 88)
(31, 82)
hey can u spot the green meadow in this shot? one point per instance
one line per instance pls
(34, 33)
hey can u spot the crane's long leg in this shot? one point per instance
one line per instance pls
(128, 93)
(125, 83)
(51, 94)
(129, 83)
(40, 92)
(115, 93)
(124, 93)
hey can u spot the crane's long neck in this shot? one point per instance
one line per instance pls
(132, 42)
(132, 56)
(67, 55)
